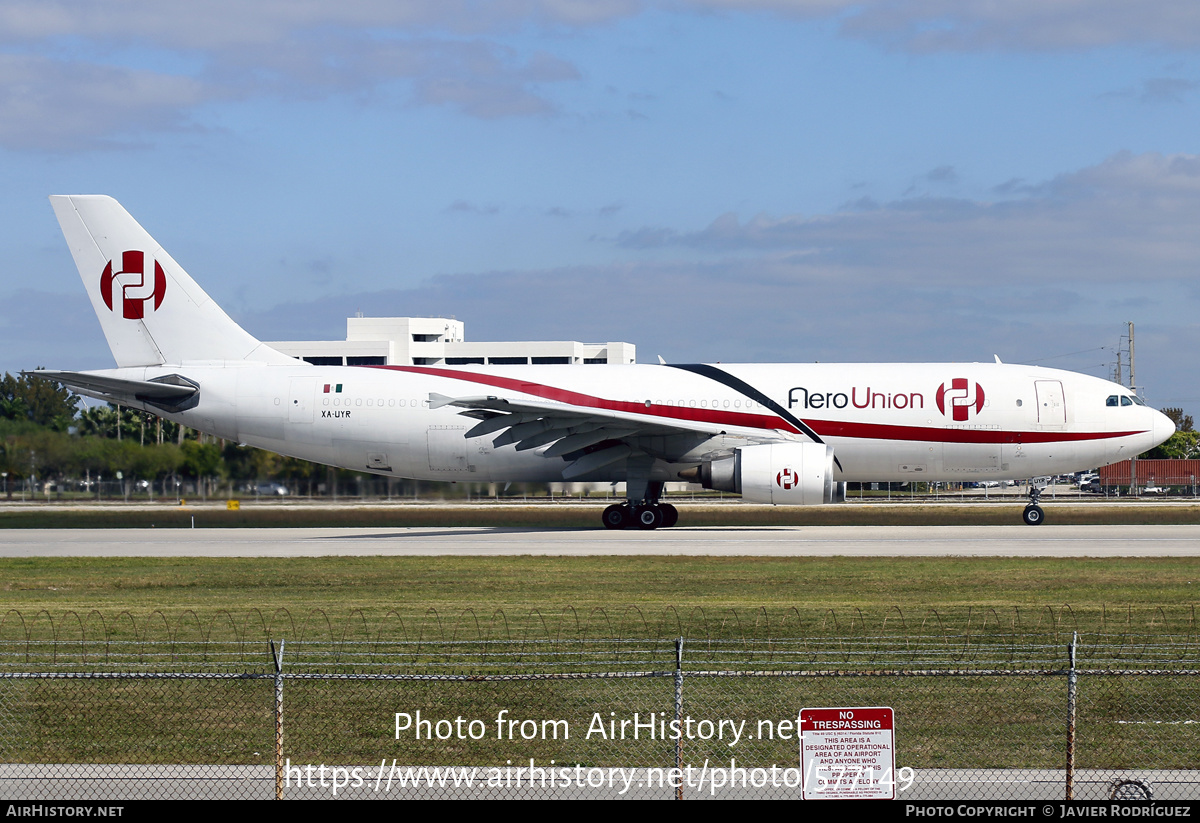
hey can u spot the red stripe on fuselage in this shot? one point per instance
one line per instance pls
(724, 418)
(769, 422)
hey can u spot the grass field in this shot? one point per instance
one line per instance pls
(174, 612)
(596, 596)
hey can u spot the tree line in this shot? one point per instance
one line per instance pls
(1184, 444)
(47, 435)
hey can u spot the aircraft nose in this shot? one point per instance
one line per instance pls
(1162, 428)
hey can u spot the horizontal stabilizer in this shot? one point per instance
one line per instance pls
(171, 392)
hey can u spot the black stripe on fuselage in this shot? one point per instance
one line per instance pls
(746, 390)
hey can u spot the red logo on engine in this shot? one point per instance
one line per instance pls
(136, 289)
(787, 479)
(961, 398)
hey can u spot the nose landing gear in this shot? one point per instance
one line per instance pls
(1033, 514)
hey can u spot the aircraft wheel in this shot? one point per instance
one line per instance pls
(1033, 515)
(614, 517)
(1131, 790)
(649, 517)
(670, 515)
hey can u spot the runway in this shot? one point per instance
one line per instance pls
(780, 541)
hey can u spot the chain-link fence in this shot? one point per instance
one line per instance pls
(997, 719)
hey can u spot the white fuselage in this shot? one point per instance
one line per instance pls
(885, 422)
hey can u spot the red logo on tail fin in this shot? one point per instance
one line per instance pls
(136, 289)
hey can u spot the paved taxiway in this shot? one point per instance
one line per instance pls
(780, 541)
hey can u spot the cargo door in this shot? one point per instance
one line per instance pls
(1052, 407)
(301, 399)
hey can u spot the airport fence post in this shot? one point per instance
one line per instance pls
(1072, 683)
(277, 654)
(678, 716)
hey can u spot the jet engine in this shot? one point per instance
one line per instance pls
(785, 474)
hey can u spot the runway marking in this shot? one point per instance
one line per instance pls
(806, 541)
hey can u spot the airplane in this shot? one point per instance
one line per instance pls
(778, 433)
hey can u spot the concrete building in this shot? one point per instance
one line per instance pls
(441, 341)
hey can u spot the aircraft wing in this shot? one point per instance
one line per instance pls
(171, 392)
(587, 437)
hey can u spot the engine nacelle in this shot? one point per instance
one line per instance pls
(784, 474)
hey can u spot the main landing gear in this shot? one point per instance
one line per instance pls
(1033, 514)
(642, 515)
(643, 512)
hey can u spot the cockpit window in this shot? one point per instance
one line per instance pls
(1125, 401)
(1112, 401)
(1139, 401)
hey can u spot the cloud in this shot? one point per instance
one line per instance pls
(76, 75)
(448, 52)
(57, 106)
(482, 79)
(58, 331)
(942, 174)
(1156, 90)
(467, 207)
(1131, 214)
(233, 24)
(767, 310)
(986, 25)
(1057, 268)
(1023, 25)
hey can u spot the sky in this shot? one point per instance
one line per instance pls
(712, 180)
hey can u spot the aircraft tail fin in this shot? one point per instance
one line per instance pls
(152, 312)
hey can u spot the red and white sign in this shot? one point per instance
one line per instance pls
(848, 754)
